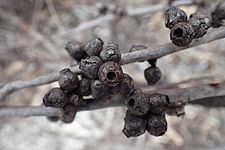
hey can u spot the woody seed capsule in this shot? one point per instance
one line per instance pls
(174, 15)
(138, 104)
(181, 34)
(94, 47)
(133, 126)
(85, 87)
(111, 53)
(68, 80)
(75, 99)
(159, 103)
(110, 73)
(98, 90)
(218, 15)
(200, 24)
(152, 75)
(75, 50)
(90, 66)
(156, 125)
(68, 113)
(127, 85)
(55, 98)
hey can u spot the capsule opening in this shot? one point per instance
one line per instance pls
(131, 102)
(111, 75)
(178, 32)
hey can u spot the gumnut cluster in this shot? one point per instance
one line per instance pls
(184, 30)
(101, 77)
(146, 112)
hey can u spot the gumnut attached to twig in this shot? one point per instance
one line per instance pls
(75, 50)
(138, 104)
(55, 98)
(90, 66)
(110, 73)
(133, 126)
(98, 89)
(156, 125)
(159, 103)
(68, 113)
(94, 47)
(68, 80)
(152, 75)
(111, 53)
(200, 24)
(173, 16)
(85, 87)
(181, 34)
(127, 85)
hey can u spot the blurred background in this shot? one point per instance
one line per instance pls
(33, 34)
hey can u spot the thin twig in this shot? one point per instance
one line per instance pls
(16, 85)
(27, 111)
(213, 94)
(41, 80)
